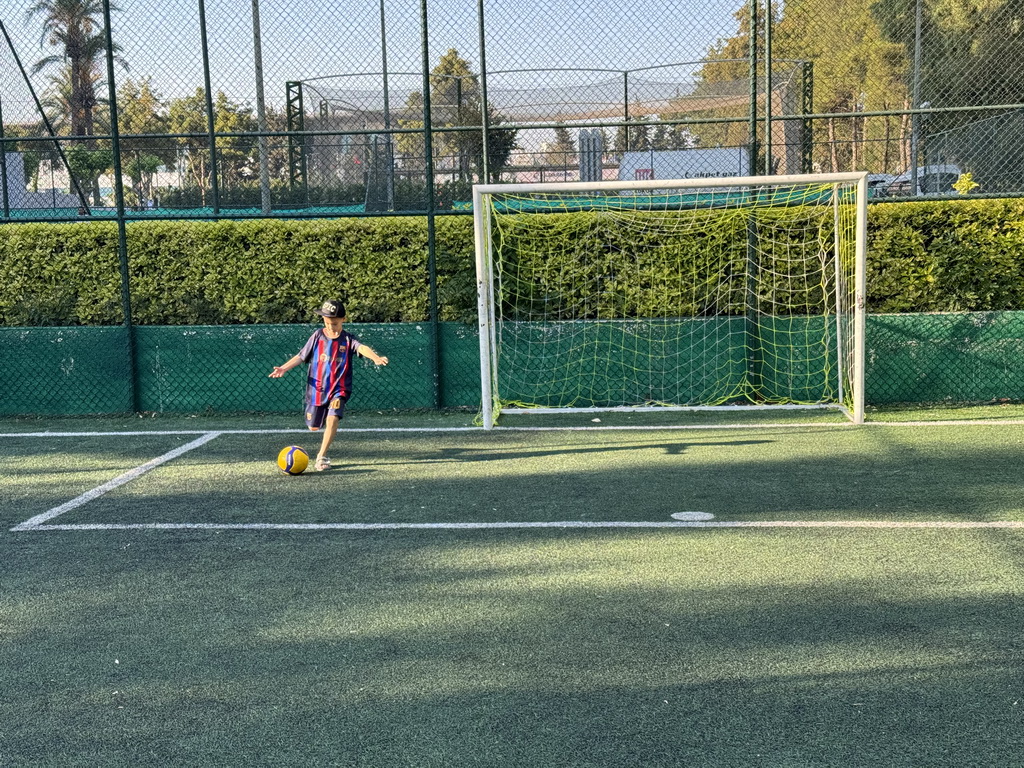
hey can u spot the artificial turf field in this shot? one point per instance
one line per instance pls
(851, 597)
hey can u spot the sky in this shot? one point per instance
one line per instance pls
(302, 39)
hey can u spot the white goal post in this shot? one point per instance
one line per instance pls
(744, 292)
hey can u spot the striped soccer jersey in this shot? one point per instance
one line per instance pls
(330, 366)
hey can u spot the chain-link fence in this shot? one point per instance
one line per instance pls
(939, 358)
(356, 108)
(75, 371)
(192, 110)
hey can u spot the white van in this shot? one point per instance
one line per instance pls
(931, 180)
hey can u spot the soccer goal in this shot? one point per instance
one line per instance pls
(648, 295)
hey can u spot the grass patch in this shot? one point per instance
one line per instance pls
(798, 473)
(713, 648)
(508, 647)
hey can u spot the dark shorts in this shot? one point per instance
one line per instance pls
(316, 415)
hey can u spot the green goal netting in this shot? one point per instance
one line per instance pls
(738, 292)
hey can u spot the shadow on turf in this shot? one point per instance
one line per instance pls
(486, 454)
(403, 651)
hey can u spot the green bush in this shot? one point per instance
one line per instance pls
(224, 272)
(923, 257)
(59, 274)
(952, 256)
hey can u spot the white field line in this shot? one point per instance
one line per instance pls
(594, 428)
(508, 525)
(141, 432)
(38, 521)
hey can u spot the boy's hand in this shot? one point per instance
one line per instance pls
(381, 360)
(278, 372)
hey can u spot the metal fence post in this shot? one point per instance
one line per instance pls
(122, 242)
(3, 165)
(431, 208)
(752, 119)
(210, 124)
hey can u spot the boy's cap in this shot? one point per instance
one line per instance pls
(331, 308)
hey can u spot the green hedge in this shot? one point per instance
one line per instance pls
(951, 256)
(227, 272)
(923, 257)
(566, 266)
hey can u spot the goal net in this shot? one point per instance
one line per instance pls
(731, 292)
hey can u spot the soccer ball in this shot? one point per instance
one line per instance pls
(293, 460)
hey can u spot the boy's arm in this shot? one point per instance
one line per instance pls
(365, 351)
(281, 370)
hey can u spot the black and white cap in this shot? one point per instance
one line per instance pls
(331, 308)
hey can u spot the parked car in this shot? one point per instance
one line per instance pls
(931, 180)
(878, 184)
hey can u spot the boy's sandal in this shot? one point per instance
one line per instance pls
(322, 463)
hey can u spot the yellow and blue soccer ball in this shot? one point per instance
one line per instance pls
(293, 460)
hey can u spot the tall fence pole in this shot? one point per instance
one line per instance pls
(3, 165)
(122, 240)
(915, 98)
(428, 147)
(768, 169)
(752, 118)
(485, 163)
(261, 109)
(389, 178)
(625, 107)
(210, 123)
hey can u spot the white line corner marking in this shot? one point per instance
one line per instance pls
(127, 477)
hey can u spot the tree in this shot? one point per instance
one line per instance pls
(669, 137)
(634, 137)
(187, 115)
(86, 162)
(501, 143)
(723, 85)
(455, 102)
(234, 153)
(969, 56)
(411, 147)
(144, 149)
(76, 28)
(561, 152)
(855, 68)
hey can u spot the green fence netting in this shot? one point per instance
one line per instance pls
(921, 358)
(935, 358)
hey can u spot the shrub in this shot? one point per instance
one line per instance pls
(923, 257)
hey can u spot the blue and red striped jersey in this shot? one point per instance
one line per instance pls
(330, 366)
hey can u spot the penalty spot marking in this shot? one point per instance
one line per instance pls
(39, 520)
(692, 516)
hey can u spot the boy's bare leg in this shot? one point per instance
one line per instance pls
(330, 428)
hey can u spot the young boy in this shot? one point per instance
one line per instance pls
(329, 383)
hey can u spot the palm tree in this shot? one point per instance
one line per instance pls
(58, 100)
(75, 26)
